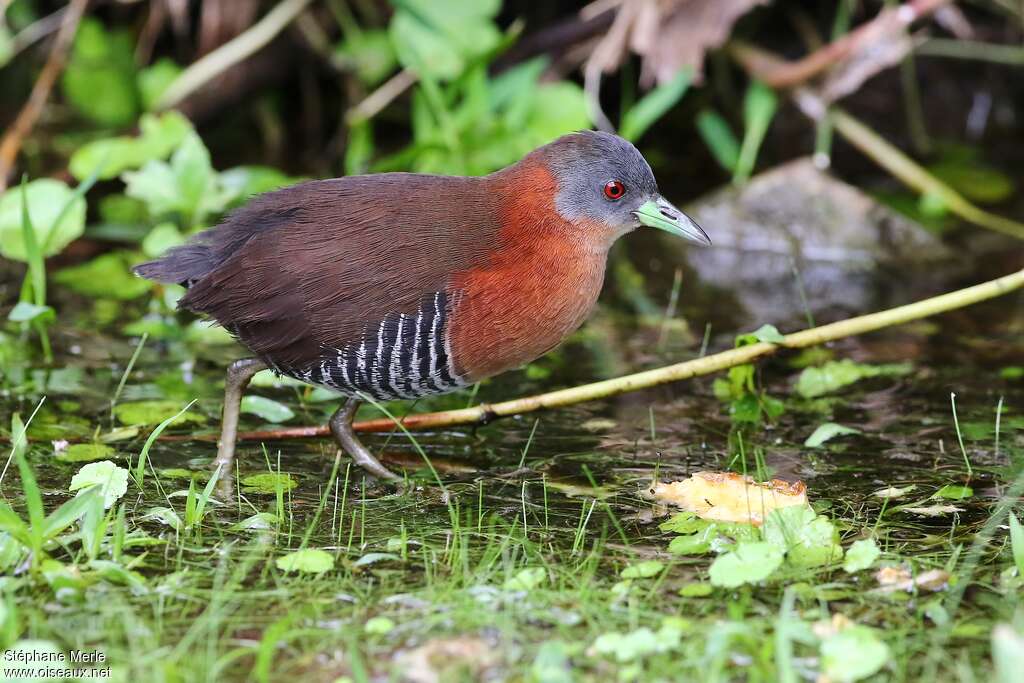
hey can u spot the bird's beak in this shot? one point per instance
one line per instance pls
(658, 213)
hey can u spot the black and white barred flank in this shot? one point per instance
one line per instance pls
(404, 356)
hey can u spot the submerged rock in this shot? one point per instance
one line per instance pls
(799, 219)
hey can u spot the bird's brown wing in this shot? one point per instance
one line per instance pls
(311, 266)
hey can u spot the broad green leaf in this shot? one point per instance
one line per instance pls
(46, 201)
(634, 645)
(954, 492)
(769, 334)
(1007, 653)
(437, 38)
(750, 562)
(187, 185)
(99, 78)
(378, 626)
(369, 54)
(853, 654)
(85, 452)
(827, 432)
(268, 482)
(161, 239)
(827, 378)
(12, 524)
(643, 570)
(861, 555)
(112, 480)
(308, 560)
(25, 311)
(557, 108)
(158, 137)
(247, 181)
(266, 408)
(153, 80)
(526, 579)
(154, 412)
(107, 276)
(808, 539)
(653, 106)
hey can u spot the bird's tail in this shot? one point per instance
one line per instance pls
(182, 265)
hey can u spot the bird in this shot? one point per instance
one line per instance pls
(403, 285)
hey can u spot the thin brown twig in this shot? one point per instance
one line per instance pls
(787, 74)
(30, 112)
(706, 365)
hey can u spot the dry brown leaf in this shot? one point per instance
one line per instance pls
(730, 497)
(892, 579)
(883, 43)
(669, 35)
(933, 510)
(446, 659)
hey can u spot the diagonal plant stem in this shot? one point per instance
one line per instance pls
(707, 365)
(230, 53)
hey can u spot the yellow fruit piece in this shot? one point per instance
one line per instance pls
(730, 497)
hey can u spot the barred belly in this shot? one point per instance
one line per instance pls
(403, 356)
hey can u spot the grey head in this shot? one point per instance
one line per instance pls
(604, 178)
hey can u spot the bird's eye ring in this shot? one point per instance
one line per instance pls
(614, 190)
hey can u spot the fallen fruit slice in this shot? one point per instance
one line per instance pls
(730, 497)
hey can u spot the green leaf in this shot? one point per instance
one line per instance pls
(112, 479)
(954, 492)
(70, 512)
(808, 539)
(853, 654)
(46, 201)
(247, 181)
(653, 106)
(827, 378)
(308, 560)
(526, 579)
(1007, 653)
(158, 137)
(769, 334)
(719, 138)
(627, 647)
(269, 410)
(643, 570)
(108, 276)
(187, 185)
(759, 106)
(268, 482)
(369, 54)
(827, 432)
(99, 79)
(1017, 543)
(85, 452)
(378, 626)
(748, 563)
(161, 239)
(153, 412)
(6, 44)
(24, 312)
(153, 80)
(861, 555)
(437, 38)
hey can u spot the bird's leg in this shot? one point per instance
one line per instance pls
(239, 374)
(341, 427)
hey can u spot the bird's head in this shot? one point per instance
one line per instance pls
(603, 179)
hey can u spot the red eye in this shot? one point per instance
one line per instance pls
(614, 190)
